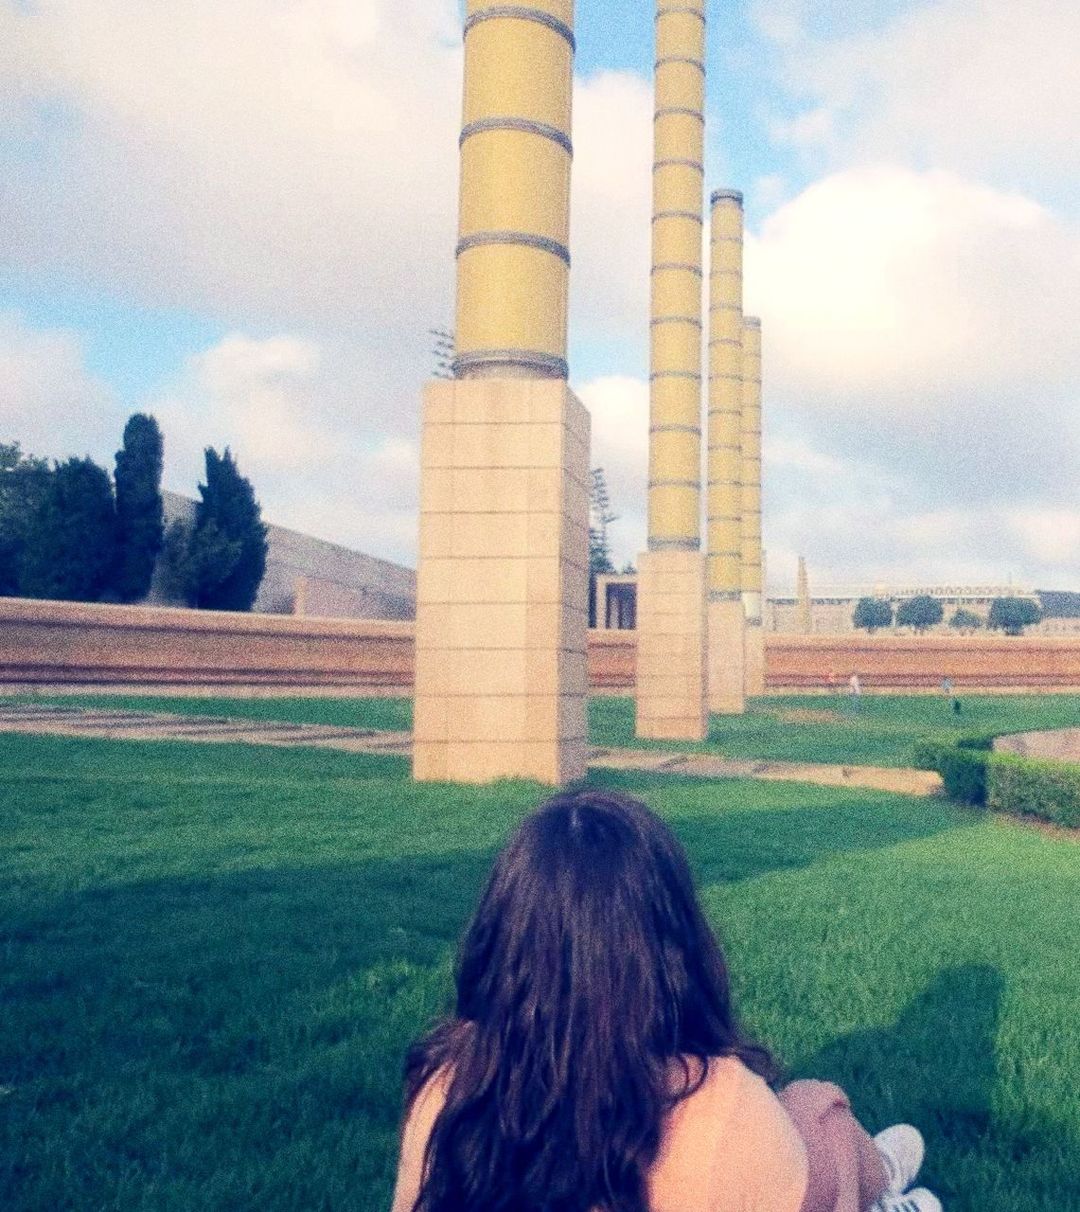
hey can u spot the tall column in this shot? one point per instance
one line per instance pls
(752, 578)
(804, 621)
(726, 616)
(671, 601)
(503, 571)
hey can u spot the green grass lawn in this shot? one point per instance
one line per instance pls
(212, 959)
(799, 729)
(817, 729)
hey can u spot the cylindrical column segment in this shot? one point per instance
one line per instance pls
(751, 473)
(513, 247)
(724, 497)
(675, 364)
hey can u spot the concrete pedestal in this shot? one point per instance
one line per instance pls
(671, 646)
(502, 584)
(726, 655)
(755, 660)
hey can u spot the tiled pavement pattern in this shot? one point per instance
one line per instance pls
(61, 720)
(147, 726)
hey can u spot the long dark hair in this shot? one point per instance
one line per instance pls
(587, 982)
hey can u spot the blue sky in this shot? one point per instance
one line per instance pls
(241, 218)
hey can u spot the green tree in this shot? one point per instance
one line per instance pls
(920, 612)
(228, 502)
(600, 518)
(195, 563)
(140, 518)
(70, 548)
(1012, 615)
(872, 613)
(23, 481)
(966, 620)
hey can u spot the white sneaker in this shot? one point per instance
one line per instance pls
(902, 1149)
(918, 1200)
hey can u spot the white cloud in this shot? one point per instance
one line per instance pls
(985, 87)
(612, 205)
(287, 407)
(293, 162)
(926, 325)
(49, 402)
(913, 281)
(1049, 535)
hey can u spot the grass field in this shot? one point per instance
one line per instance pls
(212, 959)
(798, 729)
(816, 729)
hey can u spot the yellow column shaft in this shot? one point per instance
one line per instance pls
(724, 499)
(675, 363)
(751, 475)
(513, 247)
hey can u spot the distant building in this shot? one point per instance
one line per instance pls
(308, 576)
(830, 611)
(616, 602)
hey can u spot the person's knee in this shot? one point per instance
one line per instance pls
(811, 1099)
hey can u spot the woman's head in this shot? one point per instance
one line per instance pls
(587, 974)
(589, 933)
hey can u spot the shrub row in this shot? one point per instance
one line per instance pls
(1020, 786)
(1034, 787)
(963, 771)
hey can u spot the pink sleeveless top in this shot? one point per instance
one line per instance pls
(729, 1147)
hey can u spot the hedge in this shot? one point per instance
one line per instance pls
(1035, 787)
(963, 771)
(1005, 782)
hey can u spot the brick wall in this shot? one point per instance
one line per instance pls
(80, 644)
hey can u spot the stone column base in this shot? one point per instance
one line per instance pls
(726, 657)
(755, 660)
(671, 646)
(502, 583)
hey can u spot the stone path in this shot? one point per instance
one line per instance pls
(712, 766)
(58, 720)
(156, 726)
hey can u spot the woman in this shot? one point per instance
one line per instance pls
(595, 1064)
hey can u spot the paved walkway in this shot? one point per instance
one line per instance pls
(712, 766)
(58, 720)
(157, 726)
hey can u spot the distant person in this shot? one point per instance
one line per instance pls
(594, 1062)
(947, 690)
(856, 691)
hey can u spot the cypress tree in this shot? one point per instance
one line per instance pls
(140, 516)
(229, 512)
(23, 480)
(70, 545)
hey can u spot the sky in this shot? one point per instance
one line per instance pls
(241, 217)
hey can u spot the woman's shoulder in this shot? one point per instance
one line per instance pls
(733, 1129)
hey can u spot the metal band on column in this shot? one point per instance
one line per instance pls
(676, 328)
(513, 238)
(751, 462)
(724, 459)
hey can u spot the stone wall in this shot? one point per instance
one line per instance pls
(310, 576)
(95, 646)
(908, 662)
(71, 644)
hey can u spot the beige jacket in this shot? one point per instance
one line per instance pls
(729, 1147)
